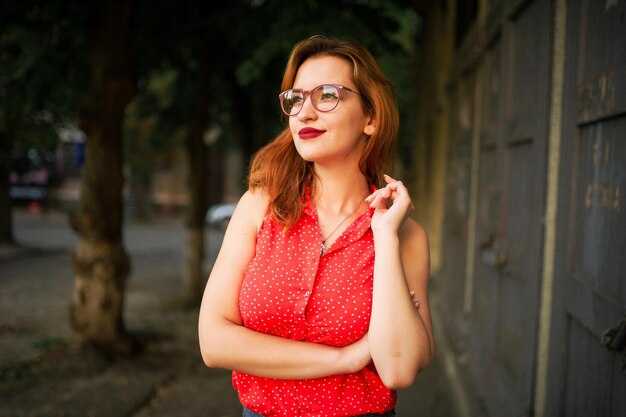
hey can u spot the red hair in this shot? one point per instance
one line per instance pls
(281, 172)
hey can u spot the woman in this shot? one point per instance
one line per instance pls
(296, 305)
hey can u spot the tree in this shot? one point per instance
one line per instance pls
(225, 62)
(100, 262)
(150, 133)
(253, 55)
(42, 83)
(196, 155)
(225, 58)
(40, 77)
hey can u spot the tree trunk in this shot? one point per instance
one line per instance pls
(194, 251)
(6, 217)
(101, 265)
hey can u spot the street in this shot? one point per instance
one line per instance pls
(40, 375)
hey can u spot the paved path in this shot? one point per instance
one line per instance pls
(40, 375)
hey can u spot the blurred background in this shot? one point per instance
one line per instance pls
(126, 130)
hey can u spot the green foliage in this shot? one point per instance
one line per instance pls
(153, 123)
(386, 28)
(44, 61)
(42, 67)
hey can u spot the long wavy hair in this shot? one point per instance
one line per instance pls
(280, 171)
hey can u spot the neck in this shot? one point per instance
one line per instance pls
(339, 190)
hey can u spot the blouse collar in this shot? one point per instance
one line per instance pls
(353, 232)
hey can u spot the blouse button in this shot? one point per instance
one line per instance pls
(306, 294)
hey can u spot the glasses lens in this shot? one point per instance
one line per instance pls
(325, 97)
(291, 101)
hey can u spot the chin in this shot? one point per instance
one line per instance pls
(309, 158)
(308, 151)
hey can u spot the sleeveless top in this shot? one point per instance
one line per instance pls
(291, 290)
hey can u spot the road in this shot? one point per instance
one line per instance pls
(41, 376)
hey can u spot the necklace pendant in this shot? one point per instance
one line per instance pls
(323, 247)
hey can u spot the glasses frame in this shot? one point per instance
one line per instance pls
(307, 93)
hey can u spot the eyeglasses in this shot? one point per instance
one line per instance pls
(324, 98)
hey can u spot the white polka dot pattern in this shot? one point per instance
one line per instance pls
(290, 291)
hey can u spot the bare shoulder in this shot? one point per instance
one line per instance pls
(413, 235)
(251, 208)
(254, 198)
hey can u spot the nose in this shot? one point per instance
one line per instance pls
(307, 111)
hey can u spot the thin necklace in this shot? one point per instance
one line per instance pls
(324, 239)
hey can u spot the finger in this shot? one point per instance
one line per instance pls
(380, 201)
(374, 197)
(388, 178)
(400, 195)
(398, 189)
(376, 202)
(392, 183)
(387, 191)
(391, 191)
(396, 185)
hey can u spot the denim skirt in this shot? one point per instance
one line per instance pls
(392, 413)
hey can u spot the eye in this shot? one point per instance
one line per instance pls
(294, 96)
(329, 93)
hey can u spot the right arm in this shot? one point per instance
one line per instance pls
(226, 343)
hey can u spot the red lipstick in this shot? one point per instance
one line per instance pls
(309, 133)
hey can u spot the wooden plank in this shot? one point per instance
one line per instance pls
(595, 310)
(601, 38)
(603, 96)
(589, 378)
(517, 249)
(601, 78)
(457, 206)
(491, 96)
(516, 7)
(596, 249)
(481, 343)
(527, 71)
(493, 24)
(618, 386)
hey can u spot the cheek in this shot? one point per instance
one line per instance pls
(292, 126)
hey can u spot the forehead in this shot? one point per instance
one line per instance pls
(323, 70)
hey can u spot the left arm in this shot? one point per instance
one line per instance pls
(400, 335)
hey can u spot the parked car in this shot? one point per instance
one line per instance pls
(219, 215)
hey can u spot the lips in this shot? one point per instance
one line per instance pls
(309, 133)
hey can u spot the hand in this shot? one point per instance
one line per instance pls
(391, 217)
(356, 356)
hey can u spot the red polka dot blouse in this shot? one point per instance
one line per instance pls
(291, 290)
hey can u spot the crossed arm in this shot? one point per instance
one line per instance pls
(399, 340)
(226, 343)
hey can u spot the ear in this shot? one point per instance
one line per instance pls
(370, 127)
